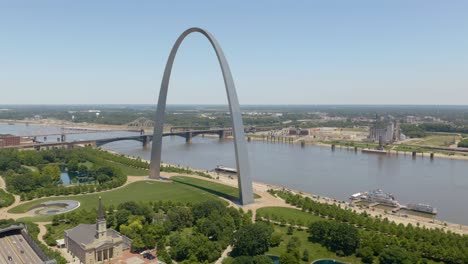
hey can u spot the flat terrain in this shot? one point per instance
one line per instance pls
(442, 140)
(180, 189)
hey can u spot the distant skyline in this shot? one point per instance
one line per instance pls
(280, 52)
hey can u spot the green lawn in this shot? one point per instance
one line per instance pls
(87, 163)
(222, 190)
(316, 251)
(288, 215)
(57, 232)
(181, 189)
(442, 140)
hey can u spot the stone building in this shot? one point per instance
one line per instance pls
(94, 243)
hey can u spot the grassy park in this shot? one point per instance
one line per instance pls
(288, 215)
(180, 189)
(437, 140)
(316, 251)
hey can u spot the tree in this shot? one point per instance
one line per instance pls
(122, 216)
(463, 143)
(204, 249)
(335, 236)
(180, 247)
(53, 171)
(288, 259)
(261, 259)
(395, 255)
(102, 178)
(137, 243)
(305, 255)
(293, 244)
(72, 165)
(366, 254)
(276, 239)
(55, 220)
(252, 240)
(180, 217)
(204, 209)
(82, 169)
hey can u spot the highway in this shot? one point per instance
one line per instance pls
(18, 249)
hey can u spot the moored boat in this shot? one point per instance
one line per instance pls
(377, 151)
(222, 168)
(423, 208)
(377, 196)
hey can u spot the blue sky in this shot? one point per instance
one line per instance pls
(280, 52)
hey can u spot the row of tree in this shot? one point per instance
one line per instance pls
(378, 234)
(141, 164)
(463, 143)
(413, 131)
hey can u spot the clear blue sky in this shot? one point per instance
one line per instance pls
(280, 52)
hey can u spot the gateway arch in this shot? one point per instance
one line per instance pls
(242, 160)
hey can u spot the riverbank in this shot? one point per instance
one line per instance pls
(68, 124)
(262, 188)
(456, 156)
(423, 154)
(420, 152)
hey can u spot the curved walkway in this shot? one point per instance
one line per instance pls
(42, 232)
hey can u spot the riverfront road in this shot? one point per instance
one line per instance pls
(15, 249)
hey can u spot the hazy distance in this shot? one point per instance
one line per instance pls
(298, 52)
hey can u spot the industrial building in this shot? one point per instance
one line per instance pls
(9, 140)
(385, 132)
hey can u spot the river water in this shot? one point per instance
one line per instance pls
(442, 183)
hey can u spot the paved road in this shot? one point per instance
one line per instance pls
(19, 251)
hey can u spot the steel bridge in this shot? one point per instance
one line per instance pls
(145, 139)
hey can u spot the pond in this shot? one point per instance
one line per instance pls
(274, 258)
(67, 178)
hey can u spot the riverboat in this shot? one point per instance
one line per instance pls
(377, 196)
(222, 168)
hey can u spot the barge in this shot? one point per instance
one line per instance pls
(423, 208)
(376, 151)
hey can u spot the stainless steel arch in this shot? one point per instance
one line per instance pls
(242, 160)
